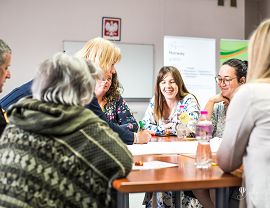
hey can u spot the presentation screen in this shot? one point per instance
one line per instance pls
(195, 58)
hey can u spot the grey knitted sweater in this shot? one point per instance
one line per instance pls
(59, 156)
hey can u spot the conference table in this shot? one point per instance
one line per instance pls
(183, 176)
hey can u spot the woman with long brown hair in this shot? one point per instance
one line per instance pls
(171, 100)
(170, 94)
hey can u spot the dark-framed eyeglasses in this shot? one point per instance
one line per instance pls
(226, 80)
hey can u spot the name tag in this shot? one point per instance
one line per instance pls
(184, 118)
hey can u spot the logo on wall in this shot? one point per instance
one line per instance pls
(111, 28)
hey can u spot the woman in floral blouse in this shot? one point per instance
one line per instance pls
(108, 93)
(170, 94)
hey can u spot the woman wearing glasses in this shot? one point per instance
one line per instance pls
(246, 139)
(231, 75)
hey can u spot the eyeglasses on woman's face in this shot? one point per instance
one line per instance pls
(225, 80)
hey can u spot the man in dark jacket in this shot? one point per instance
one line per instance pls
(5, 59)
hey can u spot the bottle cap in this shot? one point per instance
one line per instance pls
(204, 112)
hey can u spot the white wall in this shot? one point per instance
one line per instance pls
(35, 29)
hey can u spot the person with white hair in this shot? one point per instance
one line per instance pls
(56, 153)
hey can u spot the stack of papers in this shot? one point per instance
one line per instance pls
(185, 147)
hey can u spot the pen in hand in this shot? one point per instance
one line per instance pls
(142, 136)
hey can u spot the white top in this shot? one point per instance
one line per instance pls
(247, 137)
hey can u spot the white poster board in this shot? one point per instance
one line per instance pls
(135, 70)
(196, 60)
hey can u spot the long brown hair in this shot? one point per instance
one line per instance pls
(115, 89)
(160, 102)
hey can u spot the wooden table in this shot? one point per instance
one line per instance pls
(183, 177)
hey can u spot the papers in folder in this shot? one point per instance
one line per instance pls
(170, 147)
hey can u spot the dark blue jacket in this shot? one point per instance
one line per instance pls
(25, 90)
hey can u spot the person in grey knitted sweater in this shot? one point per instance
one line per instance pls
(56, 153)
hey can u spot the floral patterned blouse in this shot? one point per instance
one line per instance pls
(118, 112)
(218, 119)
(191, 107)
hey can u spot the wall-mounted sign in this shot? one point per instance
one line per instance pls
(111, 28)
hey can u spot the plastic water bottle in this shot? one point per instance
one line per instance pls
(204, 129)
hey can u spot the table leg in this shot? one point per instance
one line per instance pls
(122, 200)
(222, 197)
(178, 201)
(154, 200)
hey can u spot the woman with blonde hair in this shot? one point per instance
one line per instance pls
(102, 52)
(246, 135)
(105, 55)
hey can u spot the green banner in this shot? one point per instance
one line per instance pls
(233, 49)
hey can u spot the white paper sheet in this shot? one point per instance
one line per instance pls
(187, 147)
(153, 165)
